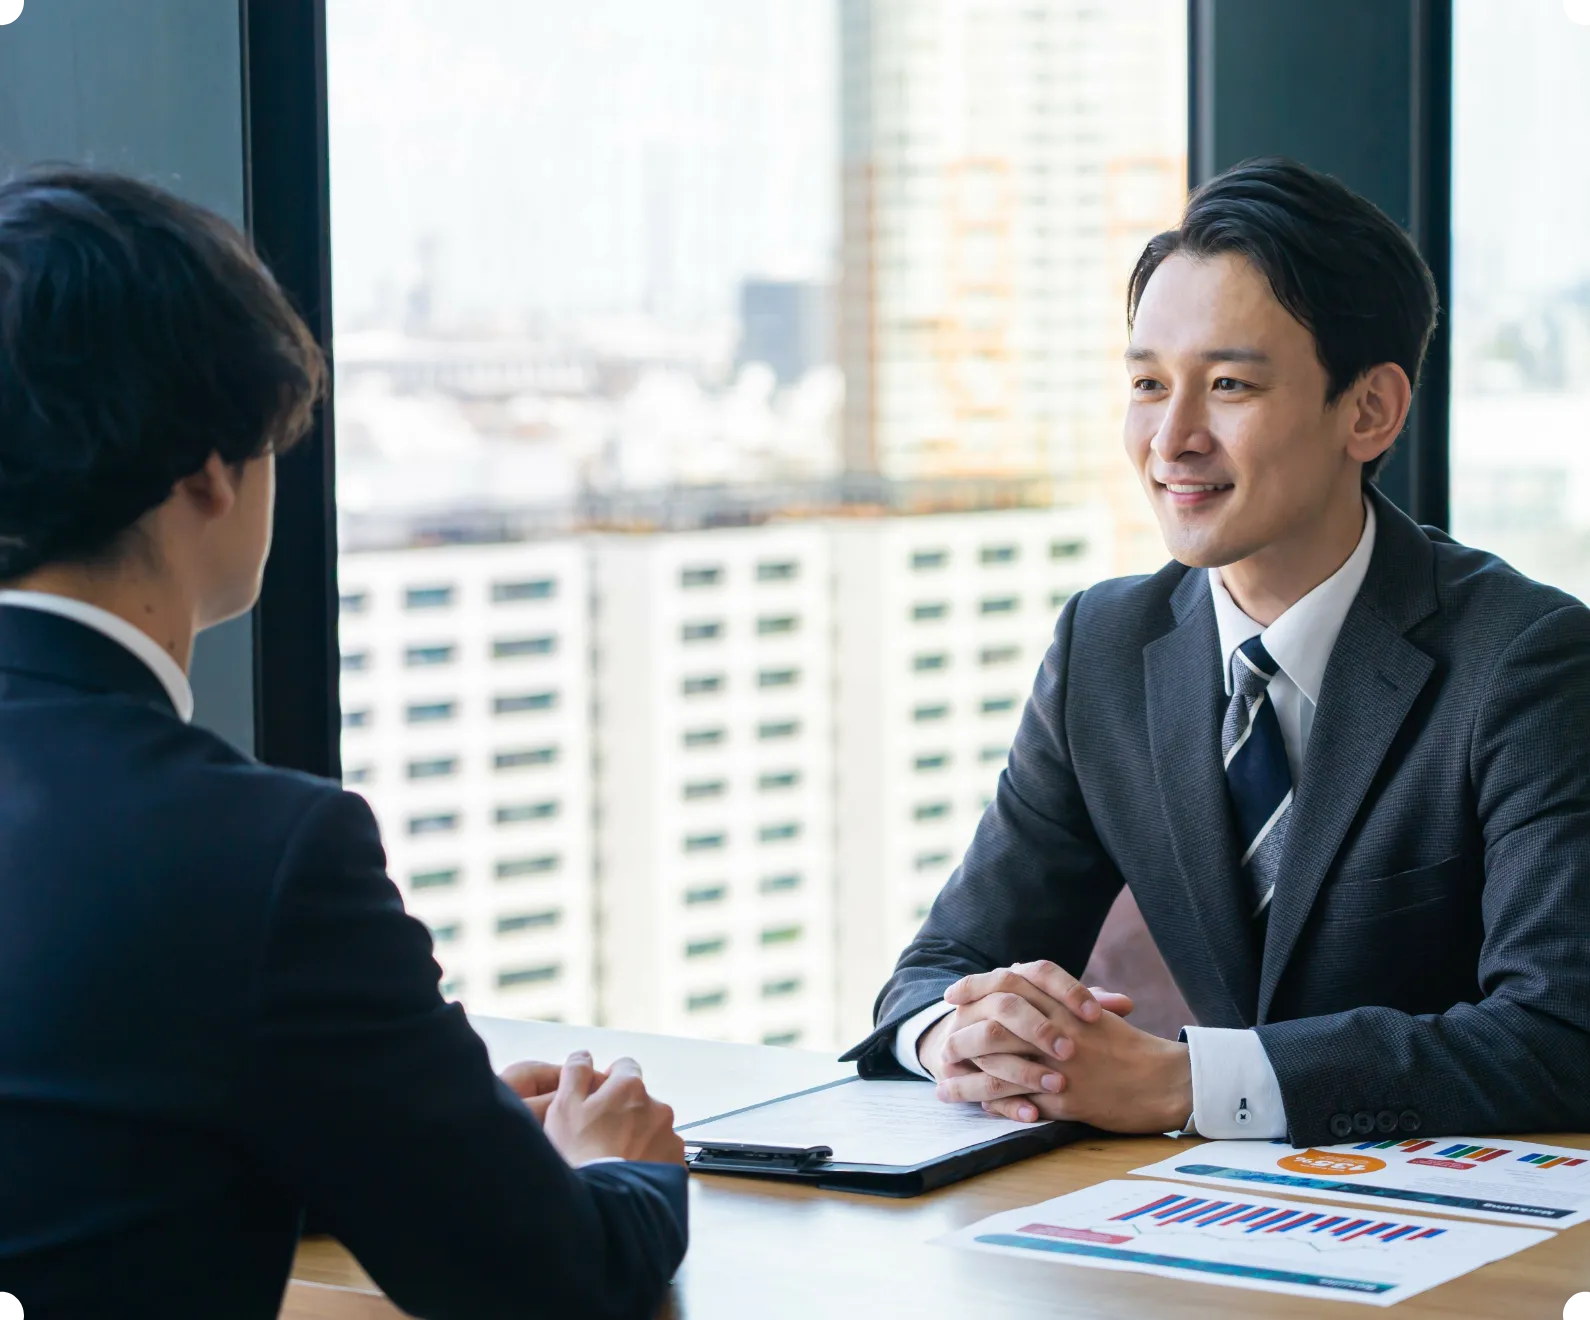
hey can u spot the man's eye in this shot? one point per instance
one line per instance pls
(1226, 384)
(1145, 385)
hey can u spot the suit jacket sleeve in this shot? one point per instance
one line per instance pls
(374, 1100)
(1035, 883)
(1519, 1060)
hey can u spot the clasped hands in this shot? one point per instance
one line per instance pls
(590, 1115)
(1031, 1042)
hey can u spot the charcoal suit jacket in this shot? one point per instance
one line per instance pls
(1426, 965)
(216, 1013)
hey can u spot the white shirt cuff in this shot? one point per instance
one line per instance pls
(1235, 1092)
(909, 1036)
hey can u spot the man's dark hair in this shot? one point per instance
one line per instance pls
(1338, 263)
(139, 334)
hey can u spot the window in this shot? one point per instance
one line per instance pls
(936, 609)
(355, 662)
(704, 895)
(448, 933)
(516, 813)
(998, 705)
(927, 714)
(931, 810)
(511, 977)
(416, 657)
(445, 878)
(519, 758)
(999, 605)
(777, 570)
(503, 593)
(699, 789)
(1058, 599)
(704, 842)
(991, 754)
(439, 822)
(786, 883)
(701, 632)
(782, 988)
(703, 1000)
(778, 729)
(786, 1039)
(358, 774)
(515, 648)
(774, 678)
(774, 625)
(705, 737)
(701, 684)
(781, 934)
(355, 719)
(513, 868)
(997, 554)
(1067, 549)
(927, 663)
(434, 767)
(431, 712)
(507, 925)
(519, 703)
(780, 832)
(777, 780)
(931, 861)
(354, 602)
(922, 560)
(707, 947)
(937, 761)
(427, 598)
(700, 577)
(999, 655)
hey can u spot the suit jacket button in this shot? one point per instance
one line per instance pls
(1363, 1122)
(1385, 1121)
(1341, 1125)
(1408, 1121)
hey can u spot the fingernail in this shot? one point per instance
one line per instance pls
(1090, 1010)
(1050, 1082)
(942, 1091)
(1028, 1113)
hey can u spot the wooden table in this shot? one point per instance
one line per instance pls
(768, 1251)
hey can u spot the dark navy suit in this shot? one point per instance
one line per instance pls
(216, 1013)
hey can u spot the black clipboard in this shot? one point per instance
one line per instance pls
(815, 1166)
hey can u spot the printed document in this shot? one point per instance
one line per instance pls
(892, 1123)
(1512, 1180)
(1243, 1240)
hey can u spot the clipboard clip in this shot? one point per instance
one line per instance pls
(730, 1154)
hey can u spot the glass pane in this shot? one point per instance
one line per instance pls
(1521, 286)
(728, 401)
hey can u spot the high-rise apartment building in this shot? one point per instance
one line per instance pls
(941, 623)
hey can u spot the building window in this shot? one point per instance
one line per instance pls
(786, 883)
(777, 780)
(439, 822)
(700, 684)
(778, 833)
(451, 987)
(431, 712)
(532, 589)
(528, 921)
(435, 767)
(991, 754)
(519, 703)
(514, 867)
(427, 598)
(782, 988)
(702, 895)
(1066, 549)
(515, 813)
(936, 660)
(925, 559)
(931, 810)
(705, 737)
(446, 934)
(706, 947)
(936, 609)
(998, 705)
(936, 761)
(931, 861)
(528, 975)
(695, 843)
(355, 662)
(445, 878)
(781, 934)
(354, 602)
(1000, 655)
(926, 714)
(783, 1038)
(700, 577)
(780, 570)
(779, 729)
(770, 625)
(998, 554)
(416, 657)
(1000, 605)
(513, 648)
(1058, 599)
(701, 631)
(701, 1001)
(521, 757)
(774, 678)
(355, 719)
(359, 774)
(699, 789)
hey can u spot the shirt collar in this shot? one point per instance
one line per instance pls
(167, 670)
(1301, 640)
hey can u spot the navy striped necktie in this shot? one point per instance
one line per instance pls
(1257, 772)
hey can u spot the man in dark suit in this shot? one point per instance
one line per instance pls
(217, 1011)
(1338, 758)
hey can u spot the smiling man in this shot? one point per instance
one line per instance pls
(1337, 757)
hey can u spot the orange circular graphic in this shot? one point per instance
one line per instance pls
(1326, 1161)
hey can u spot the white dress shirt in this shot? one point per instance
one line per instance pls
(1235, 1092)
(140, 643)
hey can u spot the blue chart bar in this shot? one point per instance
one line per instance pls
(1201, 1213)
(1194, 1266)
(1365, 1189)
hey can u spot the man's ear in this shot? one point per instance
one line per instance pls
(1377, 407)
(211, 492)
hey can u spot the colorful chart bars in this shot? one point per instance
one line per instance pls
(1251, 1218)
(1479, 1154)
(1407, 1147)
(1543, 1161)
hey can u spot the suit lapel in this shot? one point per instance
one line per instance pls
(1185, 700)
(1371, 682)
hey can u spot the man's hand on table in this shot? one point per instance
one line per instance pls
(536, 1083)
(1031, 1042)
